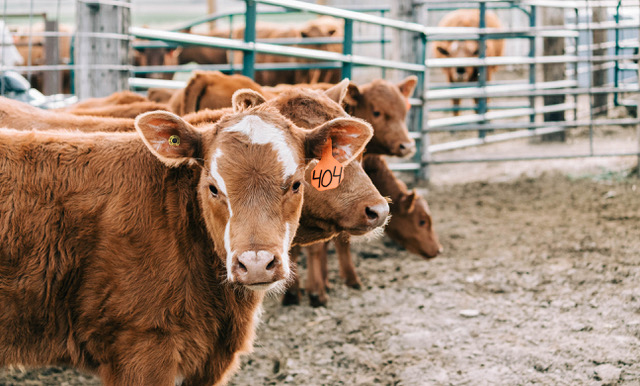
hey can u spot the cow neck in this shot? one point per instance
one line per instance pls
(386, 183)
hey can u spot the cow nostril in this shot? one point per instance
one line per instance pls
(460, 70)
(371, 214)
(402, 146)
(242, 267)
(272, 264)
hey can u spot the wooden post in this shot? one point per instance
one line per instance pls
(553, 71)
(599, 76)
(102, 62)
(51, 83)
(403, 42)
(211, 8)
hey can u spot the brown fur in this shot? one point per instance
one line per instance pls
(411, 226)
(467, 48)
(131, 110)
(22, 116)
(209, 89)
(122, 275)
(160, 95)
(383, 105)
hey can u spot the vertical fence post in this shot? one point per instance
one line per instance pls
(481, 108)
(51, 79)
(599, 76)
(249, 57)
(94, 54)
(555, 71)
(410, 47)
(347, 48)
(533, 21)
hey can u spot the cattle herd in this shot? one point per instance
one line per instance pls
(140, 234)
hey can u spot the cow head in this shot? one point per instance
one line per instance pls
(411, 225)
(157, 57)
(385, 106)
(355, 206)
(250, 189)
(467, 48)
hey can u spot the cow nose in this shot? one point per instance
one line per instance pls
(461, 70)
(377, 214)
(406, 148)
(256, 267)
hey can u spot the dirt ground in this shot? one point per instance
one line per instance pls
(538, 284)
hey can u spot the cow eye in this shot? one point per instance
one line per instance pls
(443, 51)
(423, 223)
(476, 52)
(213, 190)
(295, 187)
(376, 113)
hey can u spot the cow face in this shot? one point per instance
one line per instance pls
(355, 206)
(250, 187)
(385, 106)
(458, 49)
(411, 226)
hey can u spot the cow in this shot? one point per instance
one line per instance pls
(117, 98)
(410, 225)
(20, 115)
(160, 95)
(156, 56)
(381, 103)
(467, 48)
(209, 89)
(144, 257)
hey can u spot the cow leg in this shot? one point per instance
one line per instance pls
(292, 294)
(324, 265)
(142, 360)
(347, 269)
(456, 105)
(315, 283)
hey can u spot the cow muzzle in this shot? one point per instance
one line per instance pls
(258, 269)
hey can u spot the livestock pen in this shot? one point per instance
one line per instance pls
(532, 189)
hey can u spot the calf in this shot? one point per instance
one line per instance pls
(467, 48)
(209, 89)
(144, 257)
(410, 225)
(19, 115)
(384, 105)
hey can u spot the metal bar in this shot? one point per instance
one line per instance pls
(491, 115)
(536, 125)
(306, 53)
(347, 48)
(534, 158)
(506, 60)
(631, 88)
(249, 56)
(482, 71)
(469, 142)
(532, 66)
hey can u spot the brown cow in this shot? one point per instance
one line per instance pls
(117, 98)
(209, 89)
(20, 115)
(160, 56)
(160, 95)
(410, 225)
(467, 48)
(381, 103)
(144, 257)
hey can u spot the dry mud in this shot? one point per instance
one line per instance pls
(539, 283)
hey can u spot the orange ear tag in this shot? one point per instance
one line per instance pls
(328, 172)
(408, 104)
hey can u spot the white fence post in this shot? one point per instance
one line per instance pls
(102, 61)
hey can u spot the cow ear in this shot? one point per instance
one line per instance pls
(169, 137)
(407, 85)
(245, 99)
(406, 204)
(338, 92)
(193, 92)
(348, 136)
(352, 96)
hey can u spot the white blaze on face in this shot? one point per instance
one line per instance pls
(222, 187)
(262, 133)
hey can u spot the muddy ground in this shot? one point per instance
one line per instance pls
(539, 283)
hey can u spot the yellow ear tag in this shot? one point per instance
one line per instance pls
(174, 140)
(328, 172)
